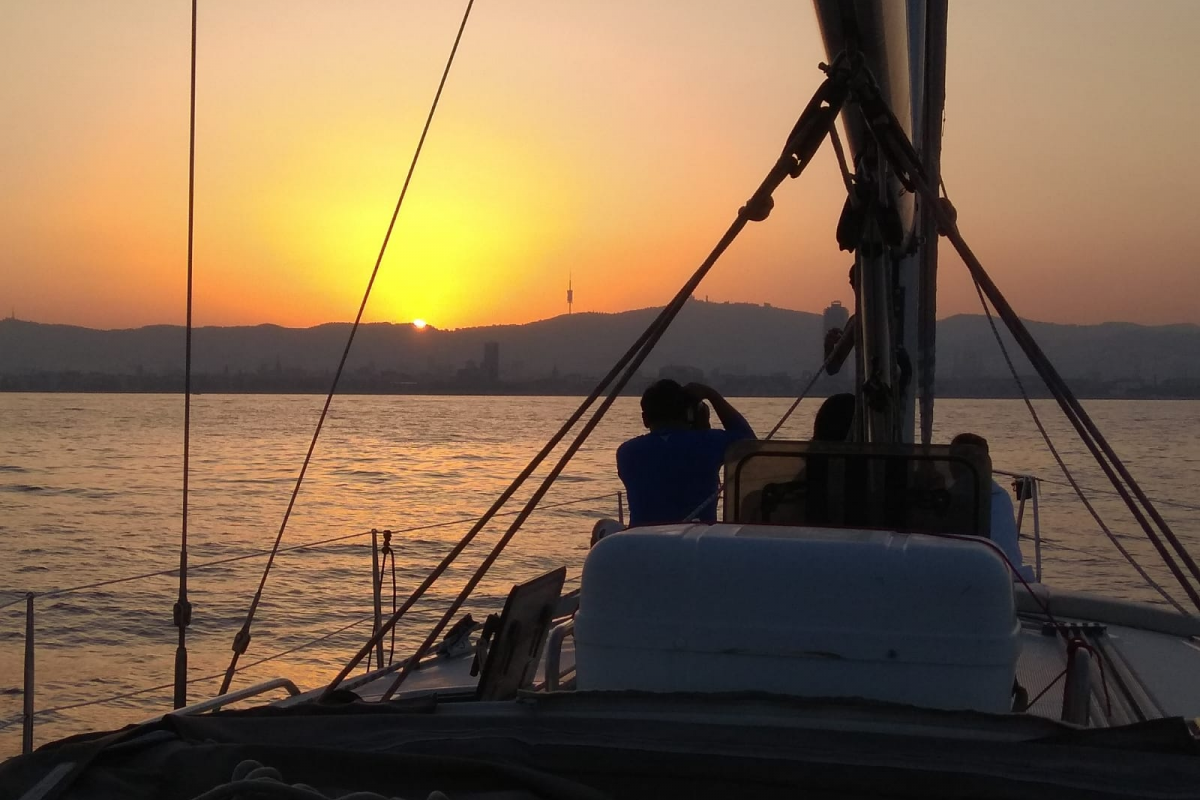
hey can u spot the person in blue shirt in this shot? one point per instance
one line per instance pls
(670, 472)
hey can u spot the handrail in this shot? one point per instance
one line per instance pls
(232, 697)
(554, 645)
(1092, 489)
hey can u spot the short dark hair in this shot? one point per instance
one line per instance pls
(666, 401)
(834, 418)
(970, 440)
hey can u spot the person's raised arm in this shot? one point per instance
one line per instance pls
(731, 418)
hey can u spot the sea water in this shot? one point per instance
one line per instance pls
(91, 491)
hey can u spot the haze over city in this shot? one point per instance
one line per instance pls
(610, 141)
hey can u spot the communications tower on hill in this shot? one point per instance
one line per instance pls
(570, 294)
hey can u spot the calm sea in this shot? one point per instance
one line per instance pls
(90, 491)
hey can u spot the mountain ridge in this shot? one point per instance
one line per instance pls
(720, 338)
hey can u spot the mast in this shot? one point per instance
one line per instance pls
(881, 223)
(931, 157)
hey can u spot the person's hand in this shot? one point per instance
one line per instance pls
(699, 391)
(832, 337)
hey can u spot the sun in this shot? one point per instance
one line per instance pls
(419, 324)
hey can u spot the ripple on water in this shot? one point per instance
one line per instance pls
(245, 466)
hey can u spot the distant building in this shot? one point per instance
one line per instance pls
(836, 316)
(491, 362)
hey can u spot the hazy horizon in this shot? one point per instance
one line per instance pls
(432, 324)
(609, 142)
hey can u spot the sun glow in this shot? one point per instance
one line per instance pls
(419, 324)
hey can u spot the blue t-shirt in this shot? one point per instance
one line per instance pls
(669, 473)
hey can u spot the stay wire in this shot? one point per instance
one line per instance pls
(805, 139)
(803, 142)
(1037, 421)
(182, 612)
(803, 394)
(572, 448)
(242, 640)
(695, 513)
(898, 150)
(1071, 408)
(1066, 400)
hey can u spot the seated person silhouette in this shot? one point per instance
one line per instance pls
(1003, 522)
(833, 423)
(672, 472)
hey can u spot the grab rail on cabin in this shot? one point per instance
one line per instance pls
(554, 645)
(214, 703)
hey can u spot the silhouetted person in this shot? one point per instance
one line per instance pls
(834, 419)
(672, 473)
(1003, 522)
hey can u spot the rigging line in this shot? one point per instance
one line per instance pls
(1049, 686)
(802, 144)
(782, 420)
(273, 657)
(636, 349)
(1037, 421)
(242, 639)
(843, 165)
(803, 394)
(1158, 501)
(24, 596)
(259, 553)
(783, 167)
(1080, 417)
(1092, 489)
(182, 612)
(899, 151)
(564, 459)
(1072, 410)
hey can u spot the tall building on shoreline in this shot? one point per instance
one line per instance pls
(835, 316)
(491, 362)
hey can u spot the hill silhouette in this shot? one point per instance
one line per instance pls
(713, 338)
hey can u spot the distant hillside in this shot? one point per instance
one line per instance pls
(729, 338)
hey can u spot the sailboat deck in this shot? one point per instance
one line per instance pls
(1145, 675)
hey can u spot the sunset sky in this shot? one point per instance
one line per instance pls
(610, 139)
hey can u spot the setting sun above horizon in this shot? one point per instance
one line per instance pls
(608, 143)
(419, 324)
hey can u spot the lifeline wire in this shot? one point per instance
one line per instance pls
(258, 553)
(898, 150)
(242, 640)
(1037, 421)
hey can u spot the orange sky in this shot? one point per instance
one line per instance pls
(612, 139)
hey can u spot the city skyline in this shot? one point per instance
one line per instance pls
(600, 147)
